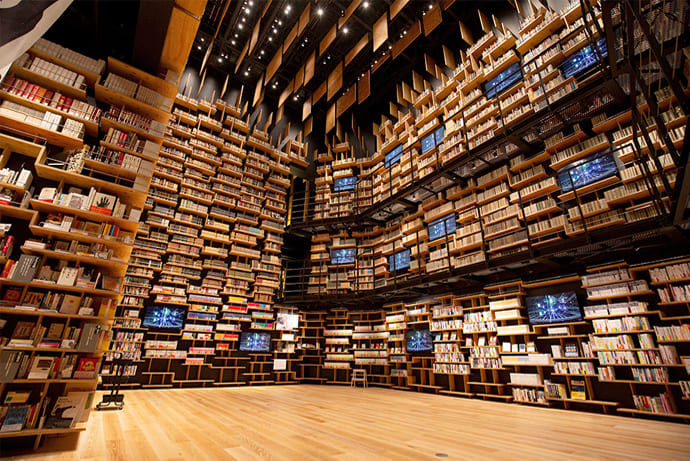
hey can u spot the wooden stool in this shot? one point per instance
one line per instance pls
(358, 376)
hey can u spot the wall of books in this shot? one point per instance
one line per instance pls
(526, 146)
(614, 340)
(79, 140)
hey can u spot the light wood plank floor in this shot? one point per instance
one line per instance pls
(331, 422)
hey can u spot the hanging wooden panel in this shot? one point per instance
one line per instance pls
(327, 40)
(380, 31)
(291, 36)
(319, 92)
(364, 87)
(397, 7)
(285, 94)
(335, 81)
(432, 19)
(258, 94)
(352, 54)
(308, 126)
(309, 68)
(304, 18)
(299, 78)
(306, 109)
(346, 100)
(330, 118)
(273, 66)
(348, 12)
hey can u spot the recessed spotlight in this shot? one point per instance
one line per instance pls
(431, 6)
(280, 23)
(198, 47)
(234, 42)
(262, 51)
(287, 9)
(270, 39)
(275, 31)
(202, 39)
(319, 11)
(240, 26)
(346, 30)
(244, 19)
(246, 72)
(220, 59)
(237, 36)
(295, 97)
(365, 4)
(251, 3)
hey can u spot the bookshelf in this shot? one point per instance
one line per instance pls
(396, 325)
(370, 346)
(311, 346)
(286, 357)
(421, 375)
(449, 357)
(338, 347)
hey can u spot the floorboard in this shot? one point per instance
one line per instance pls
(339, 423)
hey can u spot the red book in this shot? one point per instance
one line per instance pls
(61, 102)
(48, 97)
(8, 244)
(27, 90)
(8, 268)
(67, 104)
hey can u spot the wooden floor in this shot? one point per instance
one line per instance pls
(332, 422)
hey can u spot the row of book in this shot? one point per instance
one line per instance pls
(674, 293)
(52, 71)
(673, 332)
(66, 411)
(47, 120)
(95, 202)
(670, 273)
(23, 365)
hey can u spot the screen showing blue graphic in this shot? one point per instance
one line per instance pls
(587, 171)
(432, 140)
(171, 318)
(393, 156)
(343, 184)
(502, 81)
(255, 342)
(343, 256)
(583, 59)
(399, 261)
(419, 341)
(442, 227)
(555, 308)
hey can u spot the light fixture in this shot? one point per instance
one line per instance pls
(280, 23)
(346, 30)
(240, 26)
(287, 9)
(247, 11)
(236, 36)
(319, 11)
(234, 42)
(431, 6)
(295, 97)
(270, 39)
(244, 19)
(220, 59)
(202, 39)
(365, 4)
(251, 3)
(246, 72)
(262, 51)
(198, 47)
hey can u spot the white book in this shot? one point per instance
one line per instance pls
(68, 276)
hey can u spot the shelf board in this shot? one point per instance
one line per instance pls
(43, 80)
(51, 136)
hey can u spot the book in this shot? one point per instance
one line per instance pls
(68, 276)
(102, 203)
(90, 337)
(578, 390)
(26, 268)
(41, 367)
(12, 295)
(70, 304)
(16, 397)
(86, 369)
(65, 411)
(14, 418)
(10, 362)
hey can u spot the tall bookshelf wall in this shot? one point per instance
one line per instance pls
(501, 198)
(79, 139)
(211, 239)
(627, 354)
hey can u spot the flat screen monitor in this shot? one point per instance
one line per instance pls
(343, 184)
(502, 81)
(286, 321)
(255, 342)
(169, 318)
(442, 227)
(587, 171)
(554, 308)
(419, 341)
(343, 256)
(399, 261)
(428, 142)
(393, 156)
(583, 59)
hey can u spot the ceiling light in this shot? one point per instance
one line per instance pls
(270, 39)
(234, 42)
(244, 19)
(319, 11)
(246, 72)
(198, 47)
(366, 5)
(236, 36)
(295, 97)
(262, 51)
(280, 23)
(220, 59)
(251, 3)
(345, 30)
(247, 11)
(287, 9)
(202, 39)
(275, 31)
(240, 26)
(431, 6)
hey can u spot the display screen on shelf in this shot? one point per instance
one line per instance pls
(393, 156)
(502, 81)
(286, 321)
(553, 308)
(587, 171)
(343, 256)
(432, 140)
(419, 341)
(343, 184)
(255, 342)
(169, 318)
(399, 261)
(442, 227)
(583, 59)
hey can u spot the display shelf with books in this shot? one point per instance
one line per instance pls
(450, 362)
(419, 347)
(370, 345)
(338, 347)
(311, 345)
(286, 356)
(58, 301)
(396, 325)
